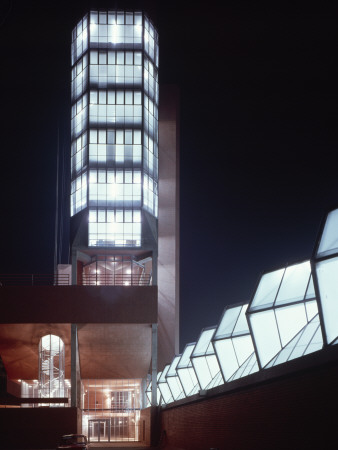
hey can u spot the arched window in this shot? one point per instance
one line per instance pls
(51, 367)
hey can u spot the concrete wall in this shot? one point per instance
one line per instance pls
(78, 304)
(298, 411)
(35, 428)
(168, 226)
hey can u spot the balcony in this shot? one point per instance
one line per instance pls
(107, 279)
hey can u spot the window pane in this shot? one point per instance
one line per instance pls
(267, 290)
(328, 288)
(294, 284)
(329, 239)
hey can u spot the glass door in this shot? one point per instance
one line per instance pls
(99, 430)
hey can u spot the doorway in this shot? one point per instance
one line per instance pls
(99, 430)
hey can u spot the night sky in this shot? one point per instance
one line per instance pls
(259, 122)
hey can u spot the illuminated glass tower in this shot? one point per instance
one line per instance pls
(114, 142)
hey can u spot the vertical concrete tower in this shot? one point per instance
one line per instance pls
(114, 156)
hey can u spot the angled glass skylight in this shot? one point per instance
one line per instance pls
(248, 367)
(164, 387)
(173, 380)
(328, 242)
(308, 340)
(326, 263)
(204, 360)
(149, 393)
(232, 340)
(327, 275)
(284, 303)
(186, 372)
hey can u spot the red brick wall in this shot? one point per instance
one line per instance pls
(293, 413)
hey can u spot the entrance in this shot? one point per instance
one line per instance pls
(99, 430)
(117, 428)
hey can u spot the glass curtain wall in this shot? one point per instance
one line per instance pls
(111, 409)
(121, 270)
(114, 131)
(51, 368)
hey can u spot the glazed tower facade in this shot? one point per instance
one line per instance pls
(114, 142)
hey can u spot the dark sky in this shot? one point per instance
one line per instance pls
(258, 136)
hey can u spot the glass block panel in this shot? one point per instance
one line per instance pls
(294, 284)
(327, 274)
(265, 334)
(329, 238)
(267, 290)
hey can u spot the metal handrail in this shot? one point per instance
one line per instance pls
(116, 280)
(34, 279)
(64, 279)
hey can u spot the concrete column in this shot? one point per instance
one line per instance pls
(74, 366)
(154, 364)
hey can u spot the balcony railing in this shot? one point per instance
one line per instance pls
(116, 280)
(34, 280)
(64, 280)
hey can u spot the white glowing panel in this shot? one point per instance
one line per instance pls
(267, 290)
(174, 381)
(186, 372)
(228, 322)
(226, 356)
(188, 380)
(311, 309)
(163, 386)
(294, 284)
(185, 360)
(203, 345)
(242, 323)
(265, 333)
(290, 319)
(329, 239)
(327, 274)
(206, 368)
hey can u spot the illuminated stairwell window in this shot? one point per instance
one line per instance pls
(51, 367)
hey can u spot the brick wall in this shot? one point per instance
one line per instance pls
(298, 411)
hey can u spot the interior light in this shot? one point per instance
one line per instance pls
(126, 283)
(114, 34)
